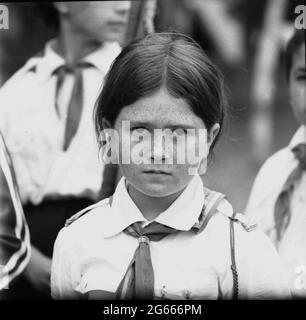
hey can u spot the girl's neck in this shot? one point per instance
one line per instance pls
(73, 46)
(151, 207)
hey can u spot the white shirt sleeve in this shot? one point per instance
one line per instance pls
(64, 278)
(266, 187)
(260, 271)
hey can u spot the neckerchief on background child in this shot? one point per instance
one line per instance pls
(282, 212)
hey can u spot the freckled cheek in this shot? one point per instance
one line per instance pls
(196, 149)
(181, 175)
(130, 170)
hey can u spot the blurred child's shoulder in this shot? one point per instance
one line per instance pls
(277, 163)
(284, 157)
(283, 160)
(21, 77)
(280, 157)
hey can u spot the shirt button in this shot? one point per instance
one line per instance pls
(187, 294)
(163, 291)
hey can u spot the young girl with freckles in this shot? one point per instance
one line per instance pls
(163, 235)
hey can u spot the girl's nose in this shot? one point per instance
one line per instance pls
(160, 150)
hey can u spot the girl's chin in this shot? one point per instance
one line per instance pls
(157, 191)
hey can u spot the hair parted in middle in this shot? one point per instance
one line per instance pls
(171, 60)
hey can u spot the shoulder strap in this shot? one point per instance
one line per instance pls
(247, 223)
(84, 211)
(211, 203)
(212, 200)
(233, 258)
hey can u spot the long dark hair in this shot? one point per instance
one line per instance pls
(169, 59)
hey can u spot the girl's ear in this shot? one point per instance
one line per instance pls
(212, 134)
(106, 143)
(105, 124)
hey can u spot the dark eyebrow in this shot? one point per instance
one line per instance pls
(168, 126)
(180, 126)
(140, 124)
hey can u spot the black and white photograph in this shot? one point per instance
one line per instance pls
(153, 150)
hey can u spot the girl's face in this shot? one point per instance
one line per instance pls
(168, 144)
(297, 85)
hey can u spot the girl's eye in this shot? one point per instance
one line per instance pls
(180, 131)
(139, 129)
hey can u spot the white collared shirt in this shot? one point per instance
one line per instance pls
(267, 186)
(34, 133)
(93, 252)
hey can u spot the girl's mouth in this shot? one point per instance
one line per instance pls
(116, 23)
(157, 172)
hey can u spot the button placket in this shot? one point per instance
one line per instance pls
(187, 294)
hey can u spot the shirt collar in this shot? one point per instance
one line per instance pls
(299, 137)
(183, 213)
(49, 62)
(101, 58)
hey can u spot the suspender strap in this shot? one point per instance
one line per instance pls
(233, 259)
(217, 199)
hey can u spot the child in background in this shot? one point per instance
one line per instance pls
(162, 234)
(278, 198)
(46, 119)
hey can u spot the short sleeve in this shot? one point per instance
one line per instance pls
(64, 275)
(266, 187)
